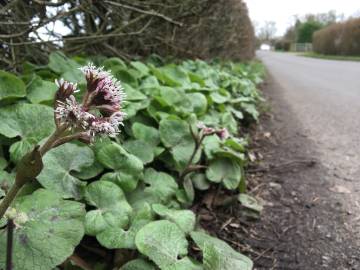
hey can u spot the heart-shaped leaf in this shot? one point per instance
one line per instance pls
(29, 121)
(48, 230)
(40, 91)
(146, 133)
(141, 149)
(117, 237)
(11, 86)
(163, 242)
(161, 185)
(138, 264)
(113, 211)
(218, 255)
(185, 219)
(128, 168)
(224, 170)
(58, 165)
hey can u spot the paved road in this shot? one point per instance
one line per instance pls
(316, 104)
(325, 96)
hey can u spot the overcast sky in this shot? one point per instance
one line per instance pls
(282, 11)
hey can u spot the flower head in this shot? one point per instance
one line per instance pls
(72, 114)
(223, 133)
(65, 89)
(104, 91)
(99, 113)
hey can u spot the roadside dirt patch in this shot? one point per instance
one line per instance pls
(305, 224)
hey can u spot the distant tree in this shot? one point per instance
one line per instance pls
(306, 31)
(267, 32)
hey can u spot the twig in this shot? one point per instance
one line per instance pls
(80, 262)
(148, 12)
(9, 244)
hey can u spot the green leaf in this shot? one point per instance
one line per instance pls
(146, 133)
(250, 202)
(58, 165)
(132, 94)
(163, 242)
(40, 91)
(90, 171)
(111, 62)
(141, 67)
(141, 149)
(113, 211)
(59, 63)
(172, 75)
(185, 219)
(161, 185)
(199, 181)
(199, 103)
(117, 237)
(218, 255)
(123, 75)
(6, 179)
(138, 264)
(19, 149)
(29, 121)
(128, 168)
(172, 131)
(48, 230)
(11, 86)
(186, 264)
(224, 170)
(218, 98)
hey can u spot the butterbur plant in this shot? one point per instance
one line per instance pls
(99, 114)
(203, 132)
(94, 200)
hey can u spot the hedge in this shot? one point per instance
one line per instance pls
(339, 38)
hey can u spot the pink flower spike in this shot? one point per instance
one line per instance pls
(72, 114)
(223, 133)
(65, 89)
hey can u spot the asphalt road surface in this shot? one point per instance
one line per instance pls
(325, 97)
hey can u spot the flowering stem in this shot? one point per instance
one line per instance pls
(51, 140)
(9, 244)
(189, 166)
(28, 168)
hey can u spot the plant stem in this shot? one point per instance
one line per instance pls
(187, 168)
(9, 197)
(9, 244)
(22, 175)
(49, 143)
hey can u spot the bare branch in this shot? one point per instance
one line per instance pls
(148, 12)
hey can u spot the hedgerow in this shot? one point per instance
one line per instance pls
(339, 39)
(130, 194)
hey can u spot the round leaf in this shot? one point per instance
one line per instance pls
(163, 242)
(128, 168)
(47, 233)
(146, 133)
(185, 219)
(29, 121)
(218, 255)
(141, 149)
(41, 91)
(113, 211)
(172, 131)
(58, 165)
(224, 170)
(11, 86)
(138, 264)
